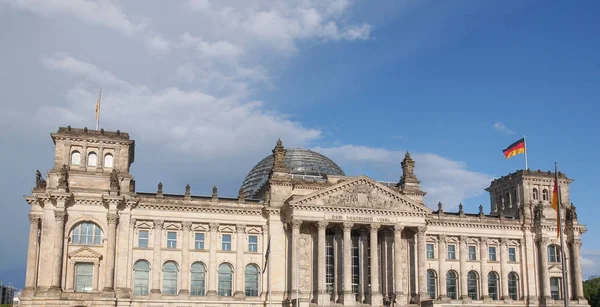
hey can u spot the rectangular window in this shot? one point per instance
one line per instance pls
(430, 251)
(199, 241)
(492, 252)
(329, 269)
(84, 276)
(512, 254)
(143, 238)
(226, 243)
(451, 251)
(171, 239)
(252, 243)
(472, 253)
(555, 288)
(355, 265)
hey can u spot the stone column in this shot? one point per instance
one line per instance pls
(376, 298)
(483, 257)
(398, 265)
(212, 260)
(32, 251)
(389, 262)
(543, 248)
(337, 264)
(59, 217)
(442, 267)
(504, 267)
(109, 273)
(156, 260)
(422, 262)
(185, 259)
(382, 262)
(322, 227)
(364, 237)
(349, 298)
(295, 257)
(239, 260)
(463, 268)
(577, 278)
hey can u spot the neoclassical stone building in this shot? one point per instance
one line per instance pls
(330, 239)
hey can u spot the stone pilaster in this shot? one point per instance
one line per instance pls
(156, 259)
(349, 298)
(422, 263)
(483, 256)
(212, 260)
(543, 248)
(398, 265)
(295, 257)
(577, 278)
(504, 268)
(442, 253)
(59, 218)
(376, 298)
(109, 273)
(337, 256)
(32, 251)
(185, 259)
(463, 269)
(239, 260)
(321, 227)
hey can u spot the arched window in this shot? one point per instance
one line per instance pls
(451, 285)
(493, 285)
(198, 279)
(473, 285)
(513, 286)
(75, 158)
(92, 159)
(141, 276)
(86, 233)
(553, 253)
(251, 274)
(225, 279)
(108, 160)
(544, 194)
(169, 278)
(535, 194)
(431, 283)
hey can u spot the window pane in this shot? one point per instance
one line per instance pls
(75, 158)
(108, 160)
(513, 286)
(251, 275)
(512, 255)
(141, 277)
(199, 241)
(143, 238)
(171, 239)
(97, 235)
(252, 243)
(431, 284)
(451, 285)
(472, 253)
(493, 285)
(226, 245)
(472, 285)
(225, 278)
(492, 251)
(76, 232)
(169, 279)
(92, 159)
(198, 279)
(451, 252)
(430, 251)
(84, 273)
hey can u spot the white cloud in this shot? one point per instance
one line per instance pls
(590, 262)
(101, 12)
(78, 68)
(443, 179)
(219, 49)
(157, 43)
(500, 127)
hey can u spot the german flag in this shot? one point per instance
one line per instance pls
(515, 148)
(556, 204)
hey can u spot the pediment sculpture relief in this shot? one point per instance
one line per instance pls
(361, 195)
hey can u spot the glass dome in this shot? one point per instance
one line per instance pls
(299, 161)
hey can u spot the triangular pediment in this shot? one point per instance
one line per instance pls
(85, 253)
(361, 192)
(171, 226)
(199, 227)
(143, 225)
(555, 269)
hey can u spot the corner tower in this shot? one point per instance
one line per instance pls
(409, 184)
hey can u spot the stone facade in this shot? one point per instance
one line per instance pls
(95, 241)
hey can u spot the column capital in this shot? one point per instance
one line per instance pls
(240, 228)
(464, 239)
(443, 238)
(576, 242)
(296, 224)
(322, 225)
(484, 240)
(112, 218)
(214, 227)
(543, 240)
(187, 225)
(347, 226)
(158, 224)
(504, 241)
(421, 230)
(374, 227)
(398, 228)
(132, 222)
(34, 218)
(60, 216)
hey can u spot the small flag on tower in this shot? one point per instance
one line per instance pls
(515, 148)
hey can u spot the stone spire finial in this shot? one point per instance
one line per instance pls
(241, 197)
(159, 192)
(481, 214)
(187, 191)
(409, 184)
(279, 158)
(461, 212)
(214, 193)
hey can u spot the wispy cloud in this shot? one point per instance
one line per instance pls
(500, 127)
(590, 262)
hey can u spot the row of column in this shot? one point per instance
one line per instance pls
(348, 296)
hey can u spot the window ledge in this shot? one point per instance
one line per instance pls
(170, 249)
(143, 248)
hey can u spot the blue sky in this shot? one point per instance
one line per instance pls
(206, 97)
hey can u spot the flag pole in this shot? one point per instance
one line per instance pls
(525, 143)
(98, 109)
(562, 240)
